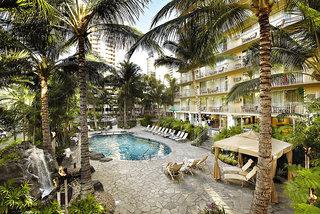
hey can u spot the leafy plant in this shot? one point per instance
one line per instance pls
(87, 205)
(298, 189)
(228, 132)
(228, 158)
(146, 120)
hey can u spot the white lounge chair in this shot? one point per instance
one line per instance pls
(174, 136)
(178, 136)
(146, 128)
(234, 169)
(240, 177)
(168, 132)
(152, 128)
(183, 138)
(164, 132)
(156, 129)
(171, 133)
(159, 130)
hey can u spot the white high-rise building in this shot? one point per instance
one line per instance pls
(103, 47)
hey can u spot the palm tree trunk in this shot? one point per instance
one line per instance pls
(85, 179)
(46, 137)
(262, 191)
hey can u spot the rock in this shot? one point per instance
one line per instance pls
(105, 159)
(96, 156)
(97, 186)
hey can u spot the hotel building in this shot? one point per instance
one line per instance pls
(202, 95)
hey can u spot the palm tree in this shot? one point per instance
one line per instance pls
(262, 193)
(217, 24)
(35, 37)
(80, 18)
(129, 81)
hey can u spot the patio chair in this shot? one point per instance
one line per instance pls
(240, 177)
(202, 163)
(183, 138)
(191, 165)
(159, 130)
(146, 128)
(234, 169)
(151, 129)
(156, 129)
(165, 131)
(174, 169)
(178, 136)
(171, 133)
(174, 136)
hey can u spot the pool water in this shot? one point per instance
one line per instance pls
(128, 147)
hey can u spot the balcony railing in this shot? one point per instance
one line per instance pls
(290, 108)
(288, 79)
(205, 91)
(187, 93)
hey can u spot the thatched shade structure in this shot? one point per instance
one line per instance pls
(248, 143)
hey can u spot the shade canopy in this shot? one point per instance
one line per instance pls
(248, 143)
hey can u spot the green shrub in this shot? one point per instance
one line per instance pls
(228, 132)
(16, 199)
(228, 158)
(130, 124)
(146, 120)
(87, 205)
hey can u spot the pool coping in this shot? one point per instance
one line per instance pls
(137, 136)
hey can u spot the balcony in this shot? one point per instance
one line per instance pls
(286, 80)
(214, 90)
(187, 93)
(185, 79)
(290, 108)
(185, 108)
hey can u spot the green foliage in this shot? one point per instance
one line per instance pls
(146, 120)
(130, 124)
(16, 199)
(9, 153)
(213, 208)
(228, 158)
(282, 133)
(227, 132)
(298, 189)
(88, 205)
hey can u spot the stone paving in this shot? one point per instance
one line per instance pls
(142, 186)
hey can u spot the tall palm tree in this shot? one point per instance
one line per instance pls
(79, 19)
(262, 193)
(32, 34)
(129, 81)
(219, 23)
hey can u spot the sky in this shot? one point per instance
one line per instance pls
(143, 24)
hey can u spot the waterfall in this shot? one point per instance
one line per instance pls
(40, 170)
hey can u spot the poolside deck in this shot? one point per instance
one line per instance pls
(142, 187)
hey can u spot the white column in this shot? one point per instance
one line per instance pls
(230, 121)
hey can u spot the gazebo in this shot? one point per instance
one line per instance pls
(248, 143)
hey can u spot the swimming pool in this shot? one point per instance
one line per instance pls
(128, 147)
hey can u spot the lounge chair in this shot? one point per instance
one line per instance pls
(164, 132)
(183, 138)
(156, 129)
(174, 136)
(146, 129)
(89, 128)
(178, 136)
(174, 169)
(202, 163)
(240, 177)
(151, 129)
(171, 133)
(234, 169)
(191, 165)
(159, 130)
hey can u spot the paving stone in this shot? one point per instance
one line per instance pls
(142, 186)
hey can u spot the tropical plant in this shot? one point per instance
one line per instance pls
(129, 82)
(213, 208)
(79, 19)
(87, 205)
(227, 132)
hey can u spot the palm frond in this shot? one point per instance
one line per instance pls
(247, 87)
